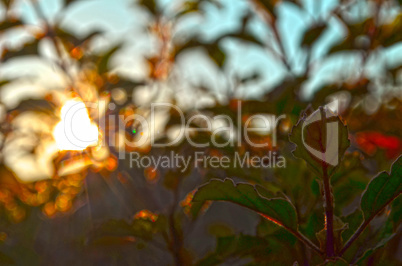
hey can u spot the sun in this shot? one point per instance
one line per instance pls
(75, 131)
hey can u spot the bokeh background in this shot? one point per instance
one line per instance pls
(210, 56)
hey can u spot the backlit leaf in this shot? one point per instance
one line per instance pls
(277, 210)
(382, 190)
(321, 140)
(370, 251)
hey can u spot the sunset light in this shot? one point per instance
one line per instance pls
(75, 131)
(209, 132)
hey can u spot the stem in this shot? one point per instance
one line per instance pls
(329, 215)
(297, 234)
(270, 21)
(329, 207)
(354, 236)
(363, 226)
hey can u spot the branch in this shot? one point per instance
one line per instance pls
(329, 215)
(50, 32)
(306, 241)
(269, 19)
(297, 234)
(329, 208)
(363, 226)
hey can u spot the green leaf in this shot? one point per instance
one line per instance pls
(353, 220)
(382, 190)
(321, 140)
(277, 210)
(312, 34)
(370, 251)
(396, 212)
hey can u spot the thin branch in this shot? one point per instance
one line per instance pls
(271, 22)
(329, 215)
(306, 241)
(364, 226)
(49, 30)
(297, 234)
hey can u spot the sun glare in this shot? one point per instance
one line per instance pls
(75, 131)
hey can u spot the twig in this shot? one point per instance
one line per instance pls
(306, 241)
(271, 22)
(51, 34)
(364, 226)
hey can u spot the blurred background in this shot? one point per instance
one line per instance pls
(61, 205)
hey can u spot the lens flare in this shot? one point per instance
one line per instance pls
(75, 131)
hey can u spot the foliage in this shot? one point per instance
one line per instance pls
(341, 208)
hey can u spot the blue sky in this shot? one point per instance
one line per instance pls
(121, 20)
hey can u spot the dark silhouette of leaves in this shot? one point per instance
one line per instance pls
(278, 210)
(150, 5)
(311, 35)
(9, 24)
(382, 190)
(30, 48)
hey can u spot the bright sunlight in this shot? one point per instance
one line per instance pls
(75, 131)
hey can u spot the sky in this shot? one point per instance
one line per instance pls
(121, 19)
